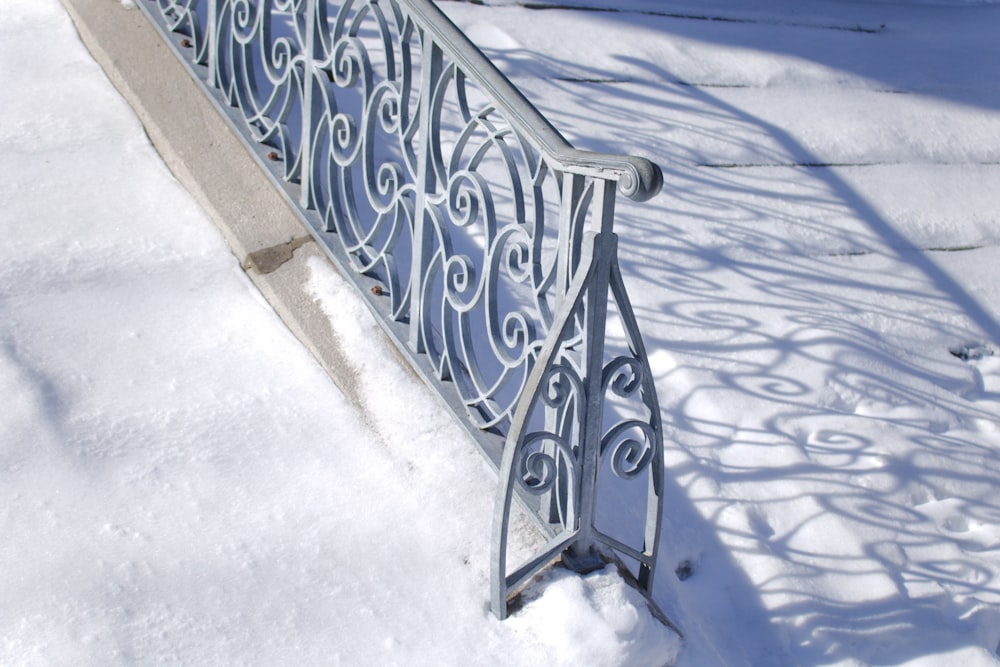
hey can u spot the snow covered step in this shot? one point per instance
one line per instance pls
(823, 125)
(757, 92)
(830, 125)
(822, 212)
(561, 44)
(873, 45)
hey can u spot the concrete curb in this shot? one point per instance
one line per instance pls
(206, 156)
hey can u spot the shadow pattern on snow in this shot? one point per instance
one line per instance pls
(829, 461)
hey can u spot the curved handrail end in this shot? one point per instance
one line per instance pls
(645, 180)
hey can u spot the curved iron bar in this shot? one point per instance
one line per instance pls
(421, 169)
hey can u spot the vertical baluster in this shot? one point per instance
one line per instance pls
(582, 556)
(559, 419)
(431, 64)
(212, 44)
(311, 113)
(572, 193)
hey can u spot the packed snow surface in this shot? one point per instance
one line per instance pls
(818, 287)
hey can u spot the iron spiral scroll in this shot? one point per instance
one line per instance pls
(417, 165)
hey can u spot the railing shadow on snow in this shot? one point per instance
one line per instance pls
(758, 299)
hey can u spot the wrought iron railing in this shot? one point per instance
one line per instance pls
(480, 237)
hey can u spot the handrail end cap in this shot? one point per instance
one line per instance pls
(645, 181)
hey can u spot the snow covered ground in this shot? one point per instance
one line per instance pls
(180, 482)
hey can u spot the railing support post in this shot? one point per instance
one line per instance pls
(426, 184)
(308, 72)
(582, 555)
(211, 39)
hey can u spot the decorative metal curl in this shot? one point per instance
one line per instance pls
(538, 468)
(624, 376)
(629, 457)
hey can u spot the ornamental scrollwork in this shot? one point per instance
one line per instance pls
(421, 168)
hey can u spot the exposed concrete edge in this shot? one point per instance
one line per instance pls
(284, 289)
(209, 160)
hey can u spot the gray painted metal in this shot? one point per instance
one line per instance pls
(480, 237)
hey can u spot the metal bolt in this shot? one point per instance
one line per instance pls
(273, 156)
(377, 290)
(186, 43)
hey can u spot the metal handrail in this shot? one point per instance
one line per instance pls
(487, 237)
(638, 178)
